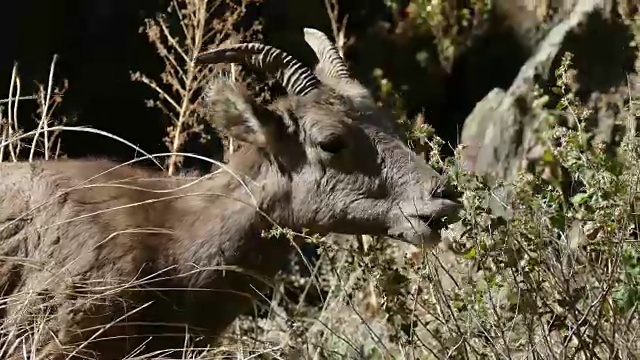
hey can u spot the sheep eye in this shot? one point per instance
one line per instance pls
(333, 145)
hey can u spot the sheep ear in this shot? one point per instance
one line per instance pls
(231, 110)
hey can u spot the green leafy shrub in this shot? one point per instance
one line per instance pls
(558, 278)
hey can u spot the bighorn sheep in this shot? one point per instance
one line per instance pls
(85, 242)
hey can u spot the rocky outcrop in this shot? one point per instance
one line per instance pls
(499, 133)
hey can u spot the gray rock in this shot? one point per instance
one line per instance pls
(498, 133)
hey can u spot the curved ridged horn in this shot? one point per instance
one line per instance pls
(292, 74)
(327, 54)
(332, 66)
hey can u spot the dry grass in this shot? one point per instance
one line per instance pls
(45, 141)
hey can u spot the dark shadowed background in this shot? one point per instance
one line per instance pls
(99, 43)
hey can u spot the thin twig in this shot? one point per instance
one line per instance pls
(44, 119)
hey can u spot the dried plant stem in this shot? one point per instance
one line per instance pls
(179, 123)
(178, 41)
(337, 27)
(44, 120)
(195, 41)
(7, 131)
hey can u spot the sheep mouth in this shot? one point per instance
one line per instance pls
(425, 226)
(440, 220)
(436, 223)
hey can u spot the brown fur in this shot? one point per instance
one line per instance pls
(78, 236)
(71, 257)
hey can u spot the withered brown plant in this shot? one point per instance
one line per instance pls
(178, 35)
(44, 140)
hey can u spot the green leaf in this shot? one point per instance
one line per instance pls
(579, 198)
(471, 254)
(547, 156)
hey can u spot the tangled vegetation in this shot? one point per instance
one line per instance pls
(557, 278)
